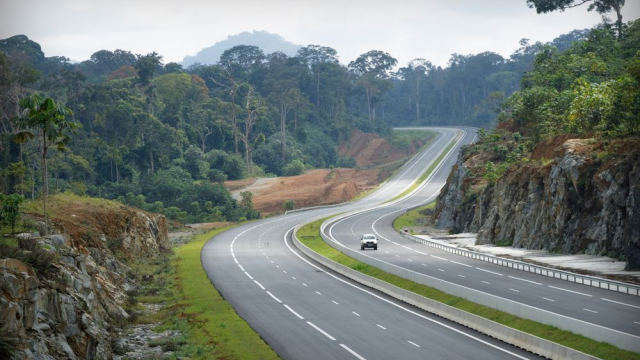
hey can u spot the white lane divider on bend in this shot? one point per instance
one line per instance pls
(276, 298)
(412, 312)
(321, 331)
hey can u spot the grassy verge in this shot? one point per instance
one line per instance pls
(426, 174)
(210, 326)
(410, 218)
(310, 236)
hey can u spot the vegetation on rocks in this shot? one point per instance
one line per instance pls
(560, 172)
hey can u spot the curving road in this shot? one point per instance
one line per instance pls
(304, 311)
(613, 310)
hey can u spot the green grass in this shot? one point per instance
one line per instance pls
(426, 174)
(410, 218)
(215, 329)
(310, 236)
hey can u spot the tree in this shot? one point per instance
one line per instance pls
(254, 109)
(146, 67)
(242, 60)
(416, 70)
(373, 68)
(315, 56)
(600, 6)
(247, 200)
(10, 211)
(45, 119)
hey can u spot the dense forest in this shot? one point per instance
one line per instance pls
(164, 138)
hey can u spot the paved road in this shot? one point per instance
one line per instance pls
(598, 306)
(304, 311)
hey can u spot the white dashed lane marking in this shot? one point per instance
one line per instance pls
(352, 352)
(490, 272)
(529, 281)
(293, 312)
(381, 327)
(274, 297)
(412, 343)
(321, 331)
(571, 291)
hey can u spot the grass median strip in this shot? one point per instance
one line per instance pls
(426, 174)
(209, 323)
(411, 218)
(310, 236)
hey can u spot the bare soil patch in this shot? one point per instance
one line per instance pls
(316, 187)
(369, 149)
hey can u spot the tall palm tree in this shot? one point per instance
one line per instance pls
(45, 119)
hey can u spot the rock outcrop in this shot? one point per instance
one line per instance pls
(73, 309)
(585, 200)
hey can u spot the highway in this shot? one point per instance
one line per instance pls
(304, 311)
(602, 307)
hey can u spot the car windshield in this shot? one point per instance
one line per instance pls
(369, 237)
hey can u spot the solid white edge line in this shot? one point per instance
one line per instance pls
(529, 281)
(321, 331)
(352, 352)
(571, 291)
(293, 312)
(402, 307)
(274, 297)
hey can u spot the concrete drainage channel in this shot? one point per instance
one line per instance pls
(501, 332)
(536, 269)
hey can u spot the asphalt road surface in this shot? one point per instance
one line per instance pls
(304, 311)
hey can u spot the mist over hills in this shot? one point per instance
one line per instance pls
(265, 40)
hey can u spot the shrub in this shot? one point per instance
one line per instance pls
(296, 167)
(346, 162)
(288, 205)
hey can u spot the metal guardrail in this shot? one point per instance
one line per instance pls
(534, 344)
(536, 269)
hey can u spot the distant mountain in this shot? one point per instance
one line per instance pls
(266, 41)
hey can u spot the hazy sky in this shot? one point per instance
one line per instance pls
(407, 29)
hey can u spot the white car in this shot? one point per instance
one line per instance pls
(368, 241)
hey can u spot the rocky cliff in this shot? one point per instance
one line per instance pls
(72, 306)
(583, 198)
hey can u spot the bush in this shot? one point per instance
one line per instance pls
(346, 162)
(288, 205)
(296, 167)
(216, 176)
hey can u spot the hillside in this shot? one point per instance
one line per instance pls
(269, 43)
(67, 295)
(562, 171)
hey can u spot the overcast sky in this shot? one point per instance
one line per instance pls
(407, 29)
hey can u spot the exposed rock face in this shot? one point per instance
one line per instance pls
(582, 201)
(74, 310)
